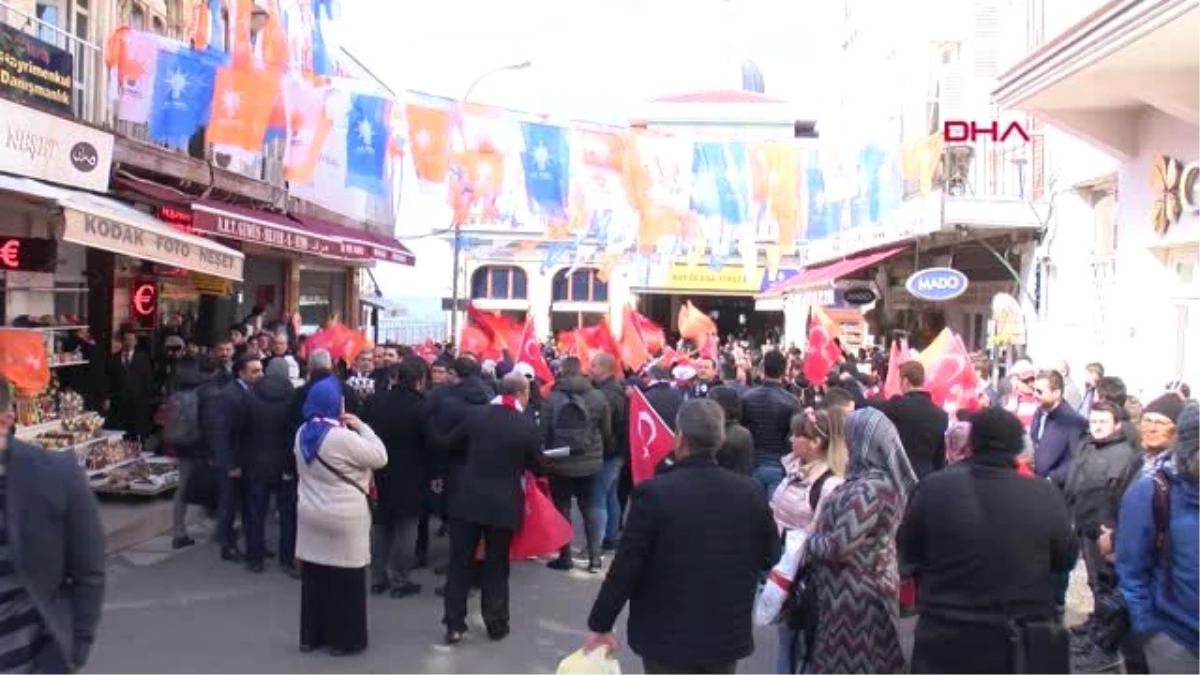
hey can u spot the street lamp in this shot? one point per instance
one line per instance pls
(454, 292)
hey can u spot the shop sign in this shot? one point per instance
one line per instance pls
(143, 242)
(35, 73)
(264, 233)
(143, 302)
(937, 284)
(728, 279)
(858, 296)
(205, 284)
(820, 297)
(916, 216)
(22, 254)
(50, 148)
(174, 216)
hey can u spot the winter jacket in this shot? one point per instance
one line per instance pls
(1056, 437)
(267, 452)
(191, 379)
(689, 571)
(398, 418)
(588, 460)
(922, 427)
(448, 408)
(767, 411)
(618, 408)
(1161, 591)
(1099, 475)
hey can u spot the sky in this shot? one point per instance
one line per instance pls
(591, 60)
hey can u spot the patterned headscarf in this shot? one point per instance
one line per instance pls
(877, 452)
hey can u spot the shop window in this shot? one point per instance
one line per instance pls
(47, 14)
(499, 283)
(137, 17)
(158, 26)
(582, 285)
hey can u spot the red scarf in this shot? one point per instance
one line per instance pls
(508, 401)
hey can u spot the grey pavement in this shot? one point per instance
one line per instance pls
(189, 612)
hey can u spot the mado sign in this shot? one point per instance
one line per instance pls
(937, 284)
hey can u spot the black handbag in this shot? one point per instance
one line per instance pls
(801, 603)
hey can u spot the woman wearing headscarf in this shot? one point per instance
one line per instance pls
(850, 555)
(335, 455)
(986, 545)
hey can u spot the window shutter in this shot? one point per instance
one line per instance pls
(988, 38)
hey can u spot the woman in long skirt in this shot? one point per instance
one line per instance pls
(336, 454)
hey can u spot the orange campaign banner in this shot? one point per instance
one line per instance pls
(429, 140)
(243, 99)
(23, 360)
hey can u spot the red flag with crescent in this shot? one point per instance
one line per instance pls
(822, 353)
(949, 376)
(531, 353)
(650, 439)
(896, 358)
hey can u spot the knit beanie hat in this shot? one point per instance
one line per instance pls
(995, 430)
(1168, 405)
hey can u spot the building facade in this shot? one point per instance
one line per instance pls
(1124, 79)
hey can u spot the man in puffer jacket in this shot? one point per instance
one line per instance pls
(577, 416)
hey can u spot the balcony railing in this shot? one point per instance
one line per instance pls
(988, 169)
(93, 105)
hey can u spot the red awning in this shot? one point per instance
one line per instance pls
(294, 233)
(829, 273)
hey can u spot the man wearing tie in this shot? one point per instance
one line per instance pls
(131, 385)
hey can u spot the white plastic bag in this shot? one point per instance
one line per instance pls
(769, 602)
(595, 662)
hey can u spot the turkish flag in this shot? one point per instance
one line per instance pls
(634, 352)
(822, 353)
(599, 338)
(531, 353)
(949, 375)
(573, 343)
(501, 331)
(427, 350)
(650, 439)
(651, 333)
(694, 325)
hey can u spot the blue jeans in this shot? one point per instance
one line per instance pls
(787, 648)
(605, 500)
(770, 474)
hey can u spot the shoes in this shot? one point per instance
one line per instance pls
(307, 648)
(454, 637)
(595, 565)
(182, 542)
(255, 566)
(608, 545)
(1096, 660)
(441, 531)
(498, 633)
(231, 555)
(421, 563)
(406, 589)
(440, 591)
(379, 589)
(561, 563)
(339, 652)
(440, 570)
(290, 570)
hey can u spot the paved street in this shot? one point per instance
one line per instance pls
(190, 612)
(174, 612)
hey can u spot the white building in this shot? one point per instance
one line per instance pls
(1126, 79)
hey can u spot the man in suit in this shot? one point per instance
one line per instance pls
(487, 504)
(920, 422)
(689, 571)
(131, 387)
(51, 556)
(229, 449)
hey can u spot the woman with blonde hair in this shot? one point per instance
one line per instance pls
(814, 468)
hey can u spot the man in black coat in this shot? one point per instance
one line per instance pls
(397, 413)
(131, 388)
(689, 570)
(616, 448)
(231, 440)
(921, 423)
(487, 504)
(767, 411)
(662, 396)
(268, 445)
(988, 546)
(1057, 430)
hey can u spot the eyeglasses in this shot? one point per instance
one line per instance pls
(1156, 422)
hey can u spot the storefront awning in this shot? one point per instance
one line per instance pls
(827, 274)
(298, 234)
(103, 223)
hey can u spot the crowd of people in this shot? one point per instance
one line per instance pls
(984, 513)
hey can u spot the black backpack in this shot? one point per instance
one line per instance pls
(182, 428)
(571, 423)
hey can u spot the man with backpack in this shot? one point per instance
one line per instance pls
(576, 417)
(191, 409)
(1157, 554)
